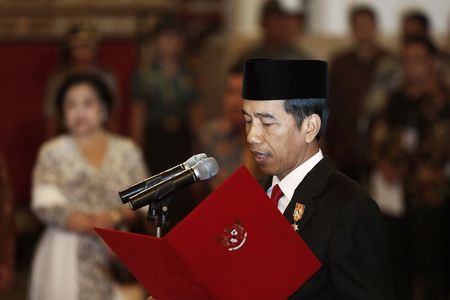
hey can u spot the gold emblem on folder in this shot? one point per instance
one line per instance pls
(298, 214)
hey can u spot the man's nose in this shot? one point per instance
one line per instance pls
(254, 134)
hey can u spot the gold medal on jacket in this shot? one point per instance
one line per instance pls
(298, 214)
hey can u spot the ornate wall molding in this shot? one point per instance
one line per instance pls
(50, 19)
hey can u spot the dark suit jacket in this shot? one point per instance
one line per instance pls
(343, 226)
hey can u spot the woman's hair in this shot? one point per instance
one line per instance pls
(97, 83)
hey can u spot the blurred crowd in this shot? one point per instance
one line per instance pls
(389, 128)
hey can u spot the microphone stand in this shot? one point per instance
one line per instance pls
(159, 214)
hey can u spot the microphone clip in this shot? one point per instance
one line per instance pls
(158, 213)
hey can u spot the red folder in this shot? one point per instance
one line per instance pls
(234, 245)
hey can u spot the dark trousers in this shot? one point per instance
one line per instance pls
(399, 246)
(430, 239)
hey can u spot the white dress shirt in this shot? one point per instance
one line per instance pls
(290, 182)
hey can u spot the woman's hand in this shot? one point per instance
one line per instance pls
(79, 222)
(109, 219)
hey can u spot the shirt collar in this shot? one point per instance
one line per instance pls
(290, 182)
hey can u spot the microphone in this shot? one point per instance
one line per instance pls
(202, 170)
(134, 189)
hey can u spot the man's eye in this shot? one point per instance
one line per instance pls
(267, 124)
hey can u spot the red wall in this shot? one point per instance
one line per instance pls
(24, 70)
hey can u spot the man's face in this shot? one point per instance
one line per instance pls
(276, 142)
(418, 64)
(170, 43)
(233, 100)
(281, 28)
(83, 55)
(363, 27)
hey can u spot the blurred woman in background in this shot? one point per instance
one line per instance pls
(75, 183)
(79, 55)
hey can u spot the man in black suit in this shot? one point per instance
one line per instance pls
(334, 216)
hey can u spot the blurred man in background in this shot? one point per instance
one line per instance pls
(415, 23)
(388, 74)
(346, 139)
(224, 137)
(282, 24)
(414, 127)
(79, 55)
(165, 114)
(163, 94)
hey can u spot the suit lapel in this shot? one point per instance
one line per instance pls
(311, 186)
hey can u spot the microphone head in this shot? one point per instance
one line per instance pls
(206, 168)
(194, 159)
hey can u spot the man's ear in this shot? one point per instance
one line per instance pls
(312, 123)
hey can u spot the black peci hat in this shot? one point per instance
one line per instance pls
(267, 79)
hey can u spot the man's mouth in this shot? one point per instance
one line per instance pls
(260, 157)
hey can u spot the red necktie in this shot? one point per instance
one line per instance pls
(276, 194)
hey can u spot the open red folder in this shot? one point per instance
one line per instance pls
(234, 245)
